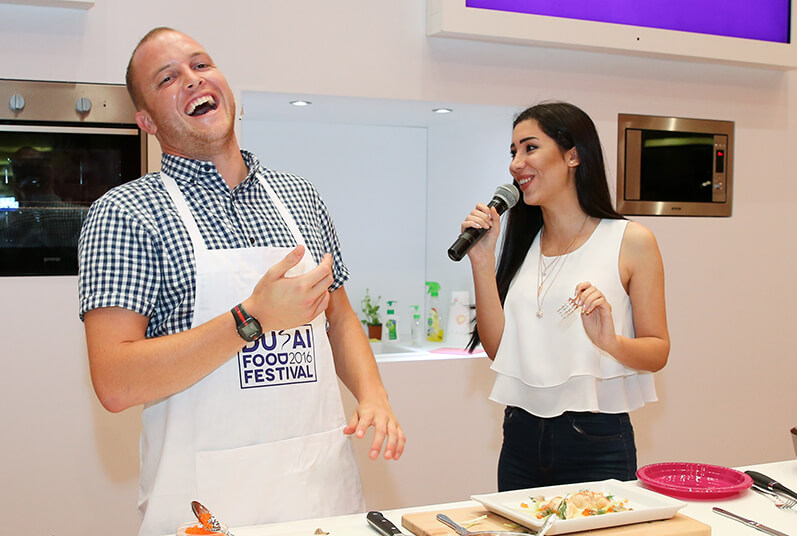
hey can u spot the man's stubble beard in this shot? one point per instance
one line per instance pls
(203, 144)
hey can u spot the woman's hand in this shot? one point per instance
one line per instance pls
(596, 316)
(489, 311)
(642, 275)
(483, 217)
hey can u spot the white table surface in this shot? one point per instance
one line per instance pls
(748, 504)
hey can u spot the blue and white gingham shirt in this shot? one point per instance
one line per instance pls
(134, 251)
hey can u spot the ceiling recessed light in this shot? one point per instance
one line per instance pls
(442, 110)
(301, 102)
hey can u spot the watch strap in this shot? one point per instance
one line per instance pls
(240, 315)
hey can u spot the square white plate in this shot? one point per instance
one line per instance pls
(645, 505)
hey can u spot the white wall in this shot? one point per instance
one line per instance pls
(377, 198)
(730, 281)
(397, 177)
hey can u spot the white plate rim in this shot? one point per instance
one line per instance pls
(649, 505)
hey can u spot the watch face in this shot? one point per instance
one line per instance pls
(251, 330)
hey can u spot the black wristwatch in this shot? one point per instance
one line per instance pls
(248, 327)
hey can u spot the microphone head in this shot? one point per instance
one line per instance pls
(508, 193)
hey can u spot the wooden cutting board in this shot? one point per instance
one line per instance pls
(426, 524)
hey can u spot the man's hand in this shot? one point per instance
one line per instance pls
(280, 301)
(386, 428)
(356, 367)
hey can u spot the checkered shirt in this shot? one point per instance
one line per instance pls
(134, 251)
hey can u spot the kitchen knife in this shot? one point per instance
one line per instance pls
(749, 522)
(768, 483)
(382, 525)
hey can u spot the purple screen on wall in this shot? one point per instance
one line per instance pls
(764, 20)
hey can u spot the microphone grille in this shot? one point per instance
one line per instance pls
(508, 193)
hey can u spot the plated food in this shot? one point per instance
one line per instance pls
(582, 503)
(639, 505)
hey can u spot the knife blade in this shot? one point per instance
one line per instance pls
(771, 484)
(382, 525)
(749, 522)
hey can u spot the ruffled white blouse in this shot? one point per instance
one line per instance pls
(549, 365)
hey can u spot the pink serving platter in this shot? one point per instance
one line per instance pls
(693, 480)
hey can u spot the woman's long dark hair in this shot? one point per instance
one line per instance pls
(569, 127)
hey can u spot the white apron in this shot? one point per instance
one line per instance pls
(260, 439)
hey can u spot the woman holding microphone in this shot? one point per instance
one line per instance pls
(574, 316)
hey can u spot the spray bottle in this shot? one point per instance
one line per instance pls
(434, 318)
(392, 321)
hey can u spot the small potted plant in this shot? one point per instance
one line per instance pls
(370, 310)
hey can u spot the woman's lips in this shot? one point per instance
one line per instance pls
(523, 182)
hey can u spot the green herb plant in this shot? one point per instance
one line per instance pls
(370, 309)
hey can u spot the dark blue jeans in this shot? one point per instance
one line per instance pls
(573, 447)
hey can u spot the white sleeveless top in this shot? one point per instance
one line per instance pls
(549, 365)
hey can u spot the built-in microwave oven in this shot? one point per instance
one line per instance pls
(62, 145)
(673, 166)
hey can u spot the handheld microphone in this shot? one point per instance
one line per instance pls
(505, 197)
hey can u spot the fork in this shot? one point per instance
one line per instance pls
(569, 306)
(784, 503)
(549, 521)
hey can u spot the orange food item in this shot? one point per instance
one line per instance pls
(198, 529)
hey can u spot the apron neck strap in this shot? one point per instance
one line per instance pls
(185, 213)
(283, 210)
(190, 222)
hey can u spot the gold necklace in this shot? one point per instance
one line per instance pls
(542, 269)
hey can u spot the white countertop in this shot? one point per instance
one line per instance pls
(750, 505)
(390, 351)
(747, 504)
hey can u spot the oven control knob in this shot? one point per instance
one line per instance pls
(16, 103)
(83, 105)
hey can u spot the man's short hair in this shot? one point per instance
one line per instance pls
(135, 94)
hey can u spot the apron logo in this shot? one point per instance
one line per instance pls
(278, 358)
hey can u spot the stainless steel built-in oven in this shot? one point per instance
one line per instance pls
(62, 145)
(673, 166)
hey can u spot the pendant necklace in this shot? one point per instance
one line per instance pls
(551, 271)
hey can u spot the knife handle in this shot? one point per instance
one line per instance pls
(760, 479)
(382, 524)
(766, 482)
